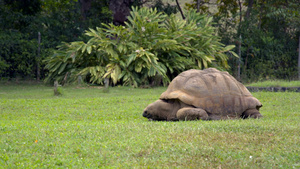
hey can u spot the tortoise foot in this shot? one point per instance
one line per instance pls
(251, 113)
(192, 114)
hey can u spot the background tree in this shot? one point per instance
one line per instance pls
(57, 21)
(269, 31)
(17, 47)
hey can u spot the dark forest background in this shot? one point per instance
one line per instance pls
(265, 33)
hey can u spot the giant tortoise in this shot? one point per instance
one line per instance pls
(207, 94)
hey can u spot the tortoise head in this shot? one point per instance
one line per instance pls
(161, 110)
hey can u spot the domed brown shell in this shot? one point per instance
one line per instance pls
(212, 90)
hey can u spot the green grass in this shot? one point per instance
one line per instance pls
(86, 128)
(276, 83)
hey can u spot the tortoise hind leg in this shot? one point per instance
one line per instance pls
(192, 114)
(251, 113)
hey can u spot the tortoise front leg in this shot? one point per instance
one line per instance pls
(252, 113)
(191, 114)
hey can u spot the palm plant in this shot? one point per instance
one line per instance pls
(150, 44)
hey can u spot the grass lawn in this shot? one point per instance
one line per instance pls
(86, 128)
(275, 83)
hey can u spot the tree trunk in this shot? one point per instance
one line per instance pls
(250, 4)
(198, 5)
(246, 60)
(121, 10)
(85, 6)
(240, 4)
(239, 60)
(299, 60)
(180, 10)
(79, 80)
(261, 10)
(106, 83)
(240, 44)
(38, 71)
(56, 92)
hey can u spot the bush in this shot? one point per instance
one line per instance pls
(18, 55)
(151, 44)
(57, 21)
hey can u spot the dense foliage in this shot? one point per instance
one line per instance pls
(57, 21)
(269, 32)
(150, 45)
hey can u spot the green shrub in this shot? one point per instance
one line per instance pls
(18, 55)
(151, 44)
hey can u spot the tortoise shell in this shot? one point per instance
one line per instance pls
(212, 90)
